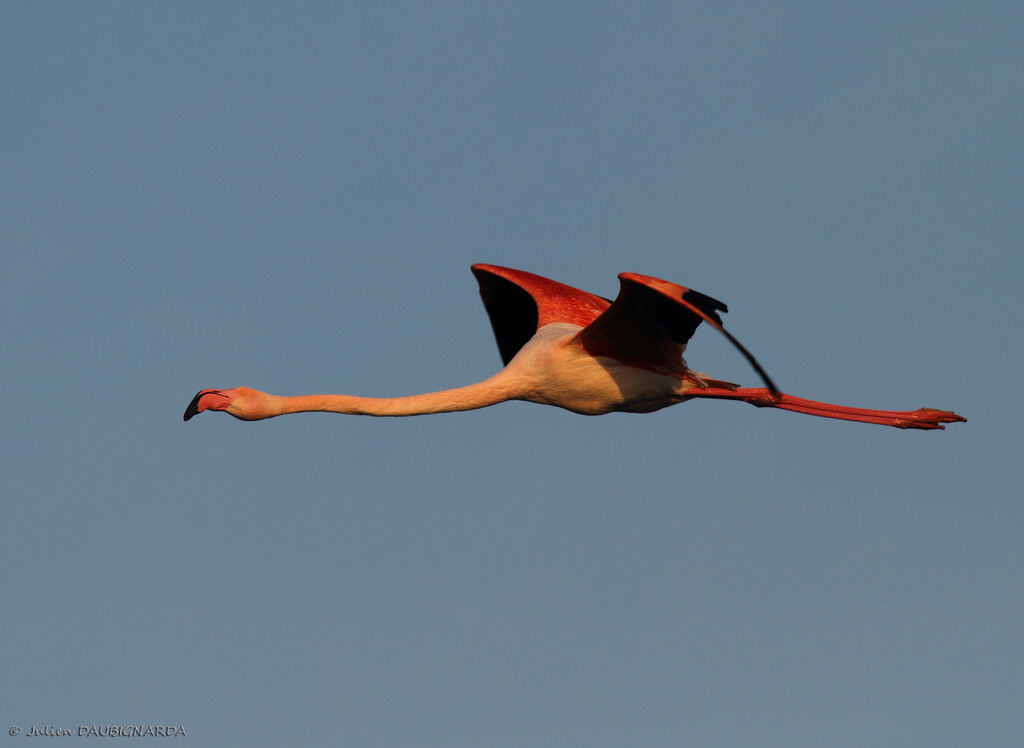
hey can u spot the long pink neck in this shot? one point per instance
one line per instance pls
(470, 397)
(922, 418)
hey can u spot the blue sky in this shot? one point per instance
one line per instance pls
(216, 194)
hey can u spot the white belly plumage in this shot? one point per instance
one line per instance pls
(551, 372)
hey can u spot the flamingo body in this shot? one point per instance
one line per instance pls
(554, 368)
(569, 348)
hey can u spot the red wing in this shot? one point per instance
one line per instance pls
(651, 321)
(520, 303)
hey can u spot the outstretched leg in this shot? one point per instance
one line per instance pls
(922, 418)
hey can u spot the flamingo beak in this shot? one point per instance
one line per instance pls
(209, 400)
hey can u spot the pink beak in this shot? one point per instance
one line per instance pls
(209, 400)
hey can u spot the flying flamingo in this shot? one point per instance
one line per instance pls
(565, 347)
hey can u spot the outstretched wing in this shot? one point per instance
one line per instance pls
(651, 321)
(520, 303)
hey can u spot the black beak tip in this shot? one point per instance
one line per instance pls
(193, 407)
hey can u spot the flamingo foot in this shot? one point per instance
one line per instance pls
(927, 418)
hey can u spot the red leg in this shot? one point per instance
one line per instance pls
(922, 418)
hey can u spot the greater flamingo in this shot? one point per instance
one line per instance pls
(565, 347)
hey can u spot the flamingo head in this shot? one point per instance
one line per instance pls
(244, 403)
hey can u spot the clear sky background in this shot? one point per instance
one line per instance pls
(289, 196)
